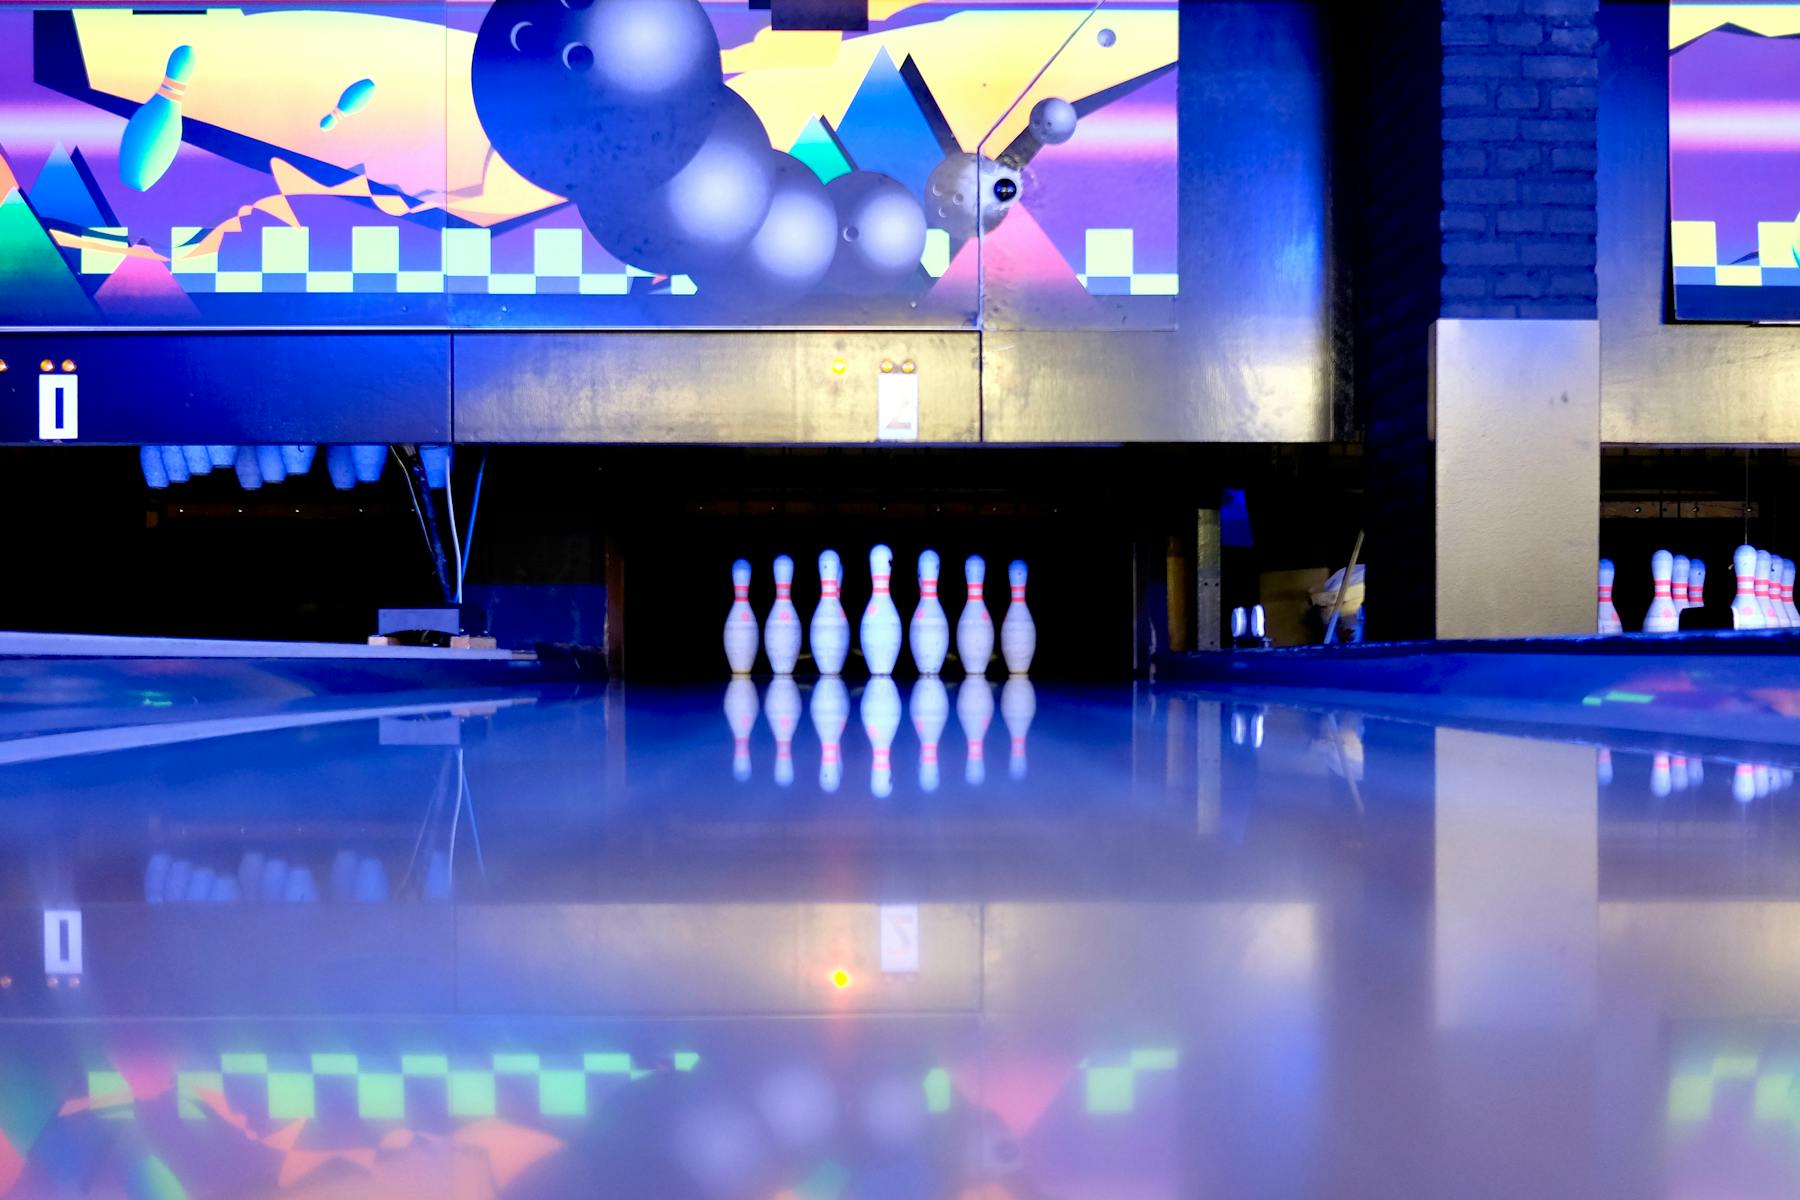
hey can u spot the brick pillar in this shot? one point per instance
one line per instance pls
(1475, 151)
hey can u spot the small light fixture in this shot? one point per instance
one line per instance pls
(840, 979)
(74, 981)
(46, 366)
(908, 367)
(51, 981)
(5, 981)
(68, 365)
(887, 366)
(2, 366)
(839, 366)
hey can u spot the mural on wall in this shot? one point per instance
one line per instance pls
(587, 163)
(1734, 160)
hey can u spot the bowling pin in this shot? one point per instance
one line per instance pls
(830, 631)
(371, 881)
(781, 634)
(174, 463)
(782, 708)
(1746, 613)
(1788, 570)
(830, 710)
(343, 876)
(222, 456)
(268, 462)
(198, 462)
(740, 714)
(1603, 766)
(153, 134)
(1696, 584)
(740, 622)
(156, 875)
(974, 710)
(929, 633)
(879, 633)
(1661, 780)
(1018, 705)
(975, 628)
(339, 466)
(1662, 617)
(1696, 771)
(1678, 772)
(1776, 566)
(200, 885)
(929, 706)
(1609, 616)
(1018, 632)
(1765, 780)
(1764, 605)
(881, 721)
(1743, 782)
(150, 462)
(1678, 585)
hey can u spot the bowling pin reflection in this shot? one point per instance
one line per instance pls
(1603, 766)
(830, 709)
(881, 720)
(930, 709)
(1018, 705)
(740, 713)
(782, 708)
(1247, 727)
(974, 712)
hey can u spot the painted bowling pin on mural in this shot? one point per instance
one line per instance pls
(879, 633)
(781, 633)
(975, 628)
(740, 623)
(1746, 613)
(1662, 617)
(1018, 632)
(830, 629)
(1609, 616)
(153, 134)
(353, 99)
(929, 633)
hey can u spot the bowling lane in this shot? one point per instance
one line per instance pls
(915, 941)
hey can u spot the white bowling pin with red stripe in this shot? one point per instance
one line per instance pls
(1788, 569)
(1018, 705)
(781, 708)
(830, 629)
(1662, 617)
(975, 712)
(830, 711)
(741, 635)
(929, 706)
(740, 714)
(1696, 584)
(929, 633)
(879, 633)
(781, 632)
(1678, 584)
(1609, 616)
(881, 721)
(1764, 602)
(1746, 613)
(1018, 632)
(975, 628)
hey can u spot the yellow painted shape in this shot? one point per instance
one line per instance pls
(1738, 276)
(1689, 21)
(1775, 243)
(1694, 243)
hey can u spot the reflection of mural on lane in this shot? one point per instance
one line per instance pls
(616, 162)
(158, 1120)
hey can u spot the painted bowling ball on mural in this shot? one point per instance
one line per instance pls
(586, 96)
(881, 233)
(1053, 121)
(790, 251)
(965, 190)
(705, 213)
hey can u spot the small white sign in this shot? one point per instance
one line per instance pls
(897, 408)
(62, 941)
(56, 408)
(899, 939)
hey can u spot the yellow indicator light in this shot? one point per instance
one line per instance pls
(68, 364)
(908, 367)
(46, 365)
(839, 366)
(840, 979)
(887, 366)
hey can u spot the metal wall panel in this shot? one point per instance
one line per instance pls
(1249, 357)
(1666, 383)
(1517, 411)
(766, 387)
(234, 387)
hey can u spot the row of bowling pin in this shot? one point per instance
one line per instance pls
(878, 634)
(270, 879)
(257, 465)
(1765, 591)
(880, 712)
(1671, 773)
(1678, 584)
